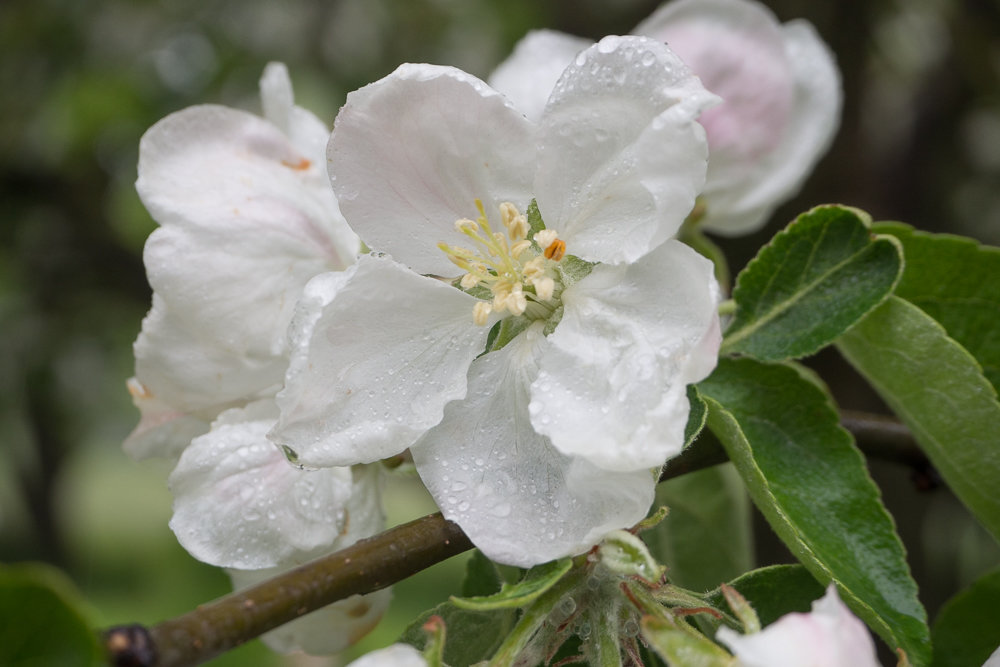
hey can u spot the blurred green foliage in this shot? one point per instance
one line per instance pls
(82, 80)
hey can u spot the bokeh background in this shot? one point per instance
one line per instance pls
(80, 80)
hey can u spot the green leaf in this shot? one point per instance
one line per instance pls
(472, 636)
(966, 631)
(811, 484)
(774, 591)
(937, 389)
(705, 539)
(482, 577)
(534, 218)
(536, 581)
(43, 620)
(954, 280)
(815, 279)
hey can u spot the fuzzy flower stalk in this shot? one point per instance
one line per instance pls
(525, 326)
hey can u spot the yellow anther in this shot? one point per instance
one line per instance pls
(481, 312)
(466, 226)
(469, 280)
(544, 287)
(518, 248)
(555, 250)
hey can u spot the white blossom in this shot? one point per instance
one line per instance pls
(828, 636)
(779, 84)
(246, 218)
(397, 655)
(539, 448)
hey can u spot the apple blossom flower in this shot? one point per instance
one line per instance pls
(553, 436)
(828, 636)
(994, 659)
(246, 218)
(779, 84)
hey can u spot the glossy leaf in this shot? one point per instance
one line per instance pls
(536, 581)
(43, 620)
(810, 482)
(774, 591)
(705, 539)
(955, 281)
(696, 416)
(937, 389)
(815, 279)
(966, 630)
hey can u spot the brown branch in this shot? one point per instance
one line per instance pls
(385, 559)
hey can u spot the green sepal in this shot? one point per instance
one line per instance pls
(572, 270)
(534, 217)
(815, 280)
(696, 415)
(536, 581)
(810, 482)
(434, 649)
(680, 647)
(628, 556)
(741, 608)
(939, 391)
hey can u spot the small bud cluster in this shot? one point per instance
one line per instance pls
(518, 271)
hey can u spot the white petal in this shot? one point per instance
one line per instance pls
(276, 95)
(245, 225)
(239, 503)
(410, 154)
(194, 372)
(994, 659)
(518, 499)
(328, 630)
(397, 655)
(612, 388)
(781, 108)
(163, 431)
(379, 351)
(530, 73)
(621, 156)
(828, 636)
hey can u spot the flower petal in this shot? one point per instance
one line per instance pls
(410, 154)
(238, 503)
(517, 498)
(307, 133)
(612, 388)
(529, 74)
(194, 372)
(828, 636)
(621, 156)
(781, 107)
(162, 431)
(378, 351)
(246, 222)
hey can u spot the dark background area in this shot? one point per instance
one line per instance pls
(81, 81)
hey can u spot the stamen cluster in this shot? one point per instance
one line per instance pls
(519, 272)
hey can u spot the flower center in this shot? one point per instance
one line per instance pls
(519, 272)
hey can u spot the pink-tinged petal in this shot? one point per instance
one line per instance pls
(828, 636)
(239, 503)
(377, 353)
(621, 157)
(517, 498)
(412, 152)
(529, 74)
(163, 431)
(397, 655)
(781, 102)
(612, 389)
(187, 368)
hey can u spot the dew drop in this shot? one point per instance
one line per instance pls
(648, 59)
